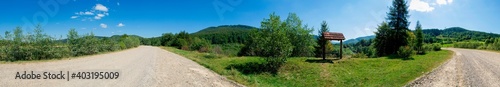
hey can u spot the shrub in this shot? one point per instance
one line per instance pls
(217, 49)
(428, 47)
(209, 55)
(204, 49)
(405, 52)
(122, 45)
(201, 45)
(359, 55)
(469, 45)
(181, 44)
(436, 47)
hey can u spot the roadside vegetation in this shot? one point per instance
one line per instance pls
(19, 46)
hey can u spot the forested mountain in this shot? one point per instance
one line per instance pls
(356, 40)
(455, 34)
(225, 34)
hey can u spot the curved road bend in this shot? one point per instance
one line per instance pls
(476, 68)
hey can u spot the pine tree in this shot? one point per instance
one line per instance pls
(420, 39)
(322, 42)
(382, 39)
(398, 22)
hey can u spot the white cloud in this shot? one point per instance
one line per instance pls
(100, 15)
(101, 7)
(421, 6)
(85, 13)
(98, 12)
(444, 2)
(103, 25)
(120, 25)
(73, 17)
(97, 17)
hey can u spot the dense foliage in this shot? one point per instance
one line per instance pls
(382, 40)
(300, 37)
(181, 40)
(39, 46)
(362, 49)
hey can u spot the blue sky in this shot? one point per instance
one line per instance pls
(150, 18)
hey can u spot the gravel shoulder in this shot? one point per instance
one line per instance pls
(142, 66)
(468, 67)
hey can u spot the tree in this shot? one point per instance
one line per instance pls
(398, 22)
(166, 39)
(273, 40)
(18, 35)
(420, 39)
(299, 36)
(322, 42)
(382, 39)
(73, 41)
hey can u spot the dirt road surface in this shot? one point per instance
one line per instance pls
(144, 66)
(467, 68)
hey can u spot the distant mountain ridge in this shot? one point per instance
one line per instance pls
(356, 40)
(225, 33)
(224, 28)
(437, 35)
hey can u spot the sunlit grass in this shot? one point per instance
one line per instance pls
(304, 72)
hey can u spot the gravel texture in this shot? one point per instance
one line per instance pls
(467, 68)
(144, 66)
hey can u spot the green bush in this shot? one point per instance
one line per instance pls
(494, 45)
(359, 55)
(122, 45)
(436, 47)
(201, 45)
(405, 52)
(469, 45)
(209, 55)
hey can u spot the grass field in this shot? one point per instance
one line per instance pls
(384, 71)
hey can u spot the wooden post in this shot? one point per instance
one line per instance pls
(324, 53)
(341, 46)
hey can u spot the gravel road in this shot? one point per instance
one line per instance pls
(471, 68)
(144, 66)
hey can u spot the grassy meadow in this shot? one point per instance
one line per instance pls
(307, 71)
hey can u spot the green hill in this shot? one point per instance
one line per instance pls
(356, 40)
(455, 34)
(448, 35)
(225, 33)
